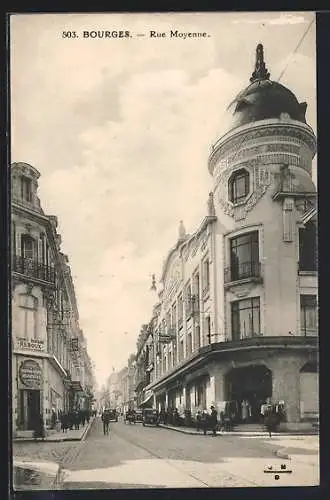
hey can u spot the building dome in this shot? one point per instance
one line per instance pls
(264, 99)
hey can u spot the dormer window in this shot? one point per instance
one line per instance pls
(26, 189)
(239, 185)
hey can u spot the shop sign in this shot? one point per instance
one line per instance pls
(24, 344)
(30, 374)
(75, 344)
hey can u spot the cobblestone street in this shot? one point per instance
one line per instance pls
(133, 456)
(63, 453)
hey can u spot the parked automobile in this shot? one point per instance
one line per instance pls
(113, 415)
(150, 417)
(129, 417)
(139, 416)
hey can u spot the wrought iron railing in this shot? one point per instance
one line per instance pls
(247, 335)
(33, 269)
(243, 270)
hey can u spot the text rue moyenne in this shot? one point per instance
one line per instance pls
(177, 34)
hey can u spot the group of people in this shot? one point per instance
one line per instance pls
(74, 419)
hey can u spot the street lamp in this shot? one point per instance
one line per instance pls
(153, 283)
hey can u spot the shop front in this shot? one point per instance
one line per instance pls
(30, 393)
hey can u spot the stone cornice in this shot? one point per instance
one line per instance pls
(237, 138)
(208, 352)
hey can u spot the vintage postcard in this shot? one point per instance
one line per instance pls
(164, 250)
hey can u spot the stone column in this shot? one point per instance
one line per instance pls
(217, 384)
(285, 384)
(184, 397)
(166, 400)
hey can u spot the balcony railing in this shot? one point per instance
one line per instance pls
(33, 269)
(244, 270)
(242, 336)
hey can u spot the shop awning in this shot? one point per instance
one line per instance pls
(147, 398)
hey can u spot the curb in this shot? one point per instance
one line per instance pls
(61, 440)
(236, 433)
(88, 428)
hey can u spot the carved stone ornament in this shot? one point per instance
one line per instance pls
(261, 182)
(282, 138)
(242, 292)
(49, 300)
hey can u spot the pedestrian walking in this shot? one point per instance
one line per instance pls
(270, 420)
(105, 419)
(214, 420)
(76, 420)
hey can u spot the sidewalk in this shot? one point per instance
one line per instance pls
(36, 475)
(194, 432)
(69, 435)
(41, 473)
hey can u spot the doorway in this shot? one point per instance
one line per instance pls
(30, 408)
(250, 383)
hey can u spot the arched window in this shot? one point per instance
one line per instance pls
(28, 308)
(239, 185)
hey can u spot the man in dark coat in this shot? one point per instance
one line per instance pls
(105, 419)
(214, 420)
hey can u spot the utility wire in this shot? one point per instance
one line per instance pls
(295, 50)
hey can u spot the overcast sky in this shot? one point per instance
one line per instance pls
(121, 129)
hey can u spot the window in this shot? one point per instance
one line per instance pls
(308, 314)
(197, 340)
(206, 275)
(180, 309)
(168, 323)
(308, 247)
(245, 316)
(28, 247)
(244, 256)
(28, 307)
(189, 343)
(26, 189)
(200, 395)
(239, 185)
(181, 351)
(208, 329)
(174, 353)
(170, 360)
(188, 300)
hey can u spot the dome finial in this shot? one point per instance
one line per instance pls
(260, 71)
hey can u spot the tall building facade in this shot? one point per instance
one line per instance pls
(51, 369)
(237, 318)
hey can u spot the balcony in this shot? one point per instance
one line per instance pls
(33, 269)
(237, 336)
(245, 271)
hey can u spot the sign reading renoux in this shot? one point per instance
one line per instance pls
(30, 374)
(30, 344)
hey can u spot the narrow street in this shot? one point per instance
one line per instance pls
(133, 456)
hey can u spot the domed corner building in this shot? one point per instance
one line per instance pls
(238, 316)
